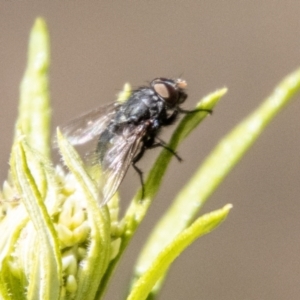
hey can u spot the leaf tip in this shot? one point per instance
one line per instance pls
(212, 99)
(228, 206)
(39, 23)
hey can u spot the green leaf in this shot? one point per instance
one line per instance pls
(46, 277)
(10, 286)
(34, 108)
(34, 120)
(95, 264)
(164, 259)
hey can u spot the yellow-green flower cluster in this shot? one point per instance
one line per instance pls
(19, 238)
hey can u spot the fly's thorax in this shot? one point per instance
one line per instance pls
(143, 105)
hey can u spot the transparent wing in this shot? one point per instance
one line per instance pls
(89, 125)
(116, 158)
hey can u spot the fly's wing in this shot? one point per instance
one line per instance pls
(116, 158)
(88, 126)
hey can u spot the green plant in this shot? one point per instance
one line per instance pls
(56, 242)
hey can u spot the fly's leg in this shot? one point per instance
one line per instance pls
(171, 118)
(163, 144)
(140, 173)
(150, 144)
(183, 111)
(169, 121)
(138, 170)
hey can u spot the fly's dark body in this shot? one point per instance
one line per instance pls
(126, 130)
(146, 110)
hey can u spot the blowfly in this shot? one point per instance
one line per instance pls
(125, 130)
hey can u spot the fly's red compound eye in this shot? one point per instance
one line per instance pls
(164, 90)
(171, 91)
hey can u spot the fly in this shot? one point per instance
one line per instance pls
(125, 130)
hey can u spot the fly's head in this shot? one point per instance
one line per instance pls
(171, 91)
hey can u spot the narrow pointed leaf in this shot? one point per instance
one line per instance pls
(99, 250)
(164, 259)
(46, 280)
(34, 109)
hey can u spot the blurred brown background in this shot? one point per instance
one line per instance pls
(248, 46)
